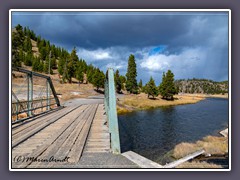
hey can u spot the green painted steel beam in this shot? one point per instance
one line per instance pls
(112, 112)
(30, 94)
(48, 94)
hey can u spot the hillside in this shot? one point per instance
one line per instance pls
(72, 77)
(202, 86)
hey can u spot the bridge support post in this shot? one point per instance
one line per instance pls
(30, 93)
(110, 107)
(48, 95)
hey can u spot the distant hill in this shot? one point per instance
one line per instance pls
(32, 51)
(203, 86)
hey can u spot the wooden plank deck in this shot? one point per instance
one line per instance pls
(61, 138)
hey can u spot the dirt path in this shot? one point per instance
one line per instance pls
(78, 101)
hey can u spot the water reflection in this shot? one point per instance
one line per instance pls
(153, 133)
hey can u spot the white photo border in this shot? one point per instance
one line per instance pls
(120, 10)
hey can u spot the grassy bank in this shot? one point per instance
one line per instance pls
(213, 146)
(131, 102)
(224, 96)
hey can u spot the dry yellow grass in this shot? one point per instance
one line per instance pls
(208, 95)
(198, 165)
(35, 112)
(141, 101)
(121, 110)
(214, 145)
(20, 116)
(184, 149)
(211, 144)
(67, 90)
(70, 91)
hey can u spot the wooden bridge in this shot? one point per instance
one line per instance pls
(82, 135)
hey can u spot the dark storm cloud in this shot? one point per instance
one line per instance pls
(90, 31)
(196, 44)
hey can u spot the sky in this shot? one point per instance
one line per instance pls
(190, 44)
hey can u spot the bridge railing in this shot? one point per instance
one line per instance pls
(32, 94)
(111, 111)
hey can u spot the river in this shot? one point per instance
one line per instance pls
(153, 133)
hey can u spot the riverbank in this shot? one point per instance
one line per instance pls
(215, 148)
(130, 102)
(224, 96)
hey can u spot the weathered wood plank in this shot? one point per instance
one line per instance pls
(99, 135)
(25, 135)
(42, 148)
(77, 148)
(102, 143)
(64, 149)
(98, 140)
(67, 145)
(54, 147)
(97, 150)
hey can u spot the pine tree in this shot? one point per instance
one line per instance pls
(38, 41)
(79, 73)
(20, 35)
(167, 88)
(123, 81)
(27, 45)
(71, 65)
(35, 64)
(151, 88)
(131, 83)
(16, 59)
(28, 59)
(41, 66)
(140, 86)
(17, 38)
(48, 48)
(98, 79)
(43, 53)
(21, 55)
(83, 65)
(90, 73)
(53, 62)
(118, 82)
(61, 64)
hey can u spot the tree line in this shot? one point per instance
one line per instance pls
(201, 86)
(49, 57)
(166, 88)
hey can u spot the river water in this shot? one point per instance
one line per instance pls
(153, 133)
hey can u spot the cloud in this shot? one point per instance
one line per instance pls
(157, 62)
(162, 62)
(119, 65)
(94, 55)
